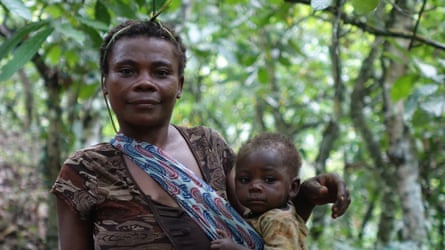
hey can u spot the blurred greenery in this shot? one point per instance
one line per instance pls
(357, 84)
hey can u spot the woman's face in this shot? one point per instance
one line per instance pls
(143, 82)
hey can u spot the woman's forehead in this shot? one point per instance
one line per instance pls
(137, 47)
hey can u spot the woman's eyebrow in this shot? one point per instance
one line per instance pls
(124, 61)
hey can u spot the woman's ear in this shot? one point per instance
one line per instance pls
(104, 89)
(180, 85)
(294, 188)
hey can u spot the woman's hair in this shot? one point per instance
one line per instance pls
(147, 28)
(273, 141)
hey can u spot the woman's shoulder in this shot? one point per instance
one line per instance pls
(77, 182)
(99, 147)
(94, 151)
(89, 163)
(201, 134)
(199, 130)
(94, 159)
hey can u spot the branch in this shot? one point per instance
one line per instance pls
(376, 31)
(357, 105)
(419, 16)
(393, 33)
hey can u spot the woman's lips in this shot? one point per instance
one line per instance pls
(144, 103)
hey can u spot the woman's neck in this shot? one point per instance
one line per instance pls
(158, 136)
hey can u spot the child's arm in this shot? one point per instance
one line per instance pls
(225, 243)
(283, 231)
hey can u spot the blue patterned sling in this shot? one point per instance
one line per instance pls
(194, 195)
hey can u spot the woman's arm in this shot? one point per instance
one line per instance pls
(73, 232)
(321, 190)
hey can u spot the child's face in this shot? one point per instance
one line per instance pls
(263, 182)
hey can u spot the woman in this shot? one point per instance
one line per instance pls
(107, 196)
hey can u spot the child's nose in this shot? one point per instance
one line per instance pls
(255, 186)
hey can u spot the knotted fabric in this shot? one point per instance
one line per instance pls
(194, 195)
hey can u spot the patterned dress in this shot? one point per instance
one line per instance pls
(96, 183)
(281, 229)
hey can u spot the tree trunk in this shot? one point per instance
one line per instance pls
(53, 149)
(386, 173)
(400, 150)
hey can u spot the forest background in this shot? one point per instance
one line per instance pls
(359, 86)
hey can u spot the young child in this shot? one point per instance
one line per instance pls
(266, 179)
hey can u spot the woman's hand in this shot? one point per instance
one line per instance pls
(320, 190)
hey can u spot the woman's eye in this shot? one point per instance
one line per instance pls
(162, 73)
(126, 71)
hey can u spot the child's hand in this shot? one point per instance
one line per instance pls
(225, 243)
(327, 188)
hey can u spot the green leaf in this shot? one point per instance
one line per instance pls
(263, 75)
(98, 25)
(93, 34)
(18, 36)
(427, 89)
(174, 5)
(87, 91)
(403, 87)
(142, 3)
(54, 10)
(101, 12)
(18, 8)
(434, 106)
(72, 57)
(285, 61)
(54, 55)
(24, 53)
(320, 4)
(158, 4)
(363, 7)
(124, 9)
(69, 31)
(429, 71)
(233, 2)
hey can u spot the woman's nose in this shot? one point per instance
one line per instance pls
(145, 82)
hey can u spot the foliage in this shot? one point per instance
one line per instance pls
(292, 66)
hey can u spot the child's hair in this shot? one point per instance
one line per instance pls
(147, 28)
(275, 141)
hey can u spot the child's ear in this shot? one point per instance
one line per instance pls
(294, 188)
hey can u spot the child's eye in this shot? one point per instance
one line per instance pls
(269, 180)
(243, 180)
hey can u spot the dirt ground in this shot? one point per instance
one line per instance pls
(23, 197)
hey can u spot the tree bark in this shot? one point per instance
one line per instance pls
(400, 151)
(386, 173)
(51, 162)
